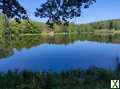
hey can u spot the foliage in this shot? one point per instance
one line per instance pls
(106, 25)
(13, 9)
(92, 78)
(34, 27)
(26, 28)
(59, 11)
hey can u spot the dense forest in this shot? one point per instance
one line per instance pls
(102, 25)
(106, 26)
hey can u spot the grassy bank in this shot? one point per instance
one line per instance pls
(93, 78)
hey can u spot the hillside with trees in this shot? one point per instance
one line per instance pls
(106, 25)
(34, 27)
(38, 27)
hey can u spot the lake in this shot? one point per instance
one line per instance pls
(59, 52)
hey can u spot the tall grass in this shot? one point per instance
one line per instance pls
(92, 78)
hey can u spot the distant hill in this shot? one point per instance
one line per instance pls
(107, 24)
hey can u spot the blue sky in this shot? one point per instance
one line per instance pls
(101, 10)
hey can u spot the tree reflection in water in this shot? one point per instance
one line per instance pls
(29, 41)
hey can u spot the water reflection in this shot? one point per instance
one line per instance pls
(59, 52)
(7, 46)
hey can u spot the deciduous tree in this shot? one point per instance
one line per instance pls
(60, 11)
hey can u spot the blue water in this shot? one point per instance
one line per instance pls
(57, 57)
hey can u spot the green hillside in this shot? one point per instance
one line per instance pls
(37, 27)
(107, 24)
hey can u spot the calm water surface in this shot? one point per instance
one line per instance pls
(59, 53)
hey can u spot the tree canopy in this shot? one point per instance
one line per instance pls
(56, 11)
(59, 11)
(13, 9)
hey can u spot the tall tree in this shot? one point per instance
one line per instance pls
(11, 9)
(110, 25)
(59, 11)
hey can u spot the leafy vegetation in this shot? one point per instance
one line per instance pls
(59, 11)
(13, 9)
(109, 26)
(92, 78)
(106, 25)
(56, 11)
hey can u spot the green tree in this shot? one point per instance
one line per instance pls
(11, 9)
(111, 25)
(59, 11)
